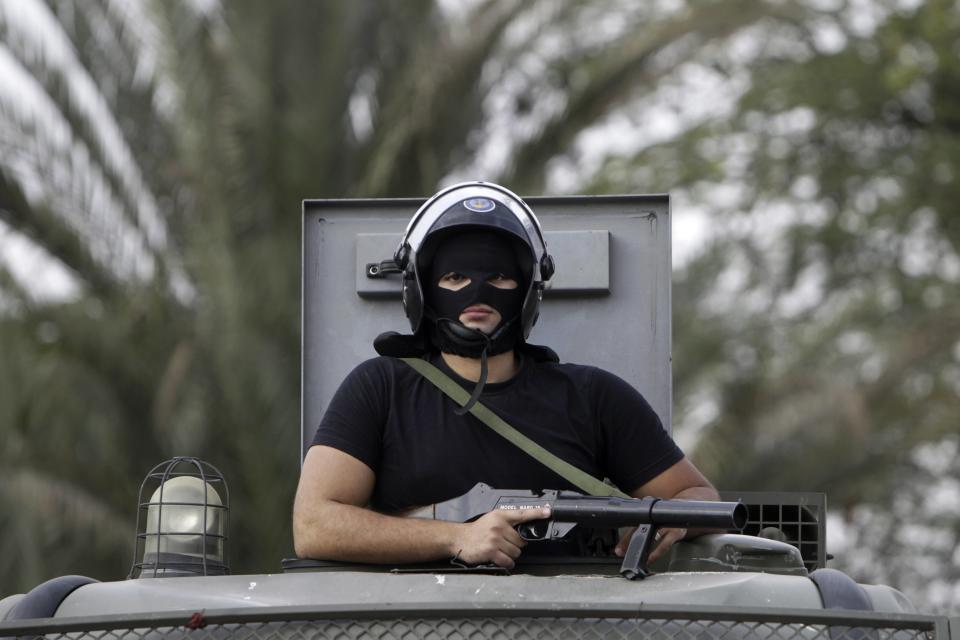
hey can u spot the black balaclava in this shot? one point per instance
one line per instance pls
(478, 255)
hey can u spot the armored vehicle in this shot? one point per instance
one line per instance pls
(766, 578)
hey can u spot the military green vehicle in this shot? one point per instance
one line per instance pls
(766, 578)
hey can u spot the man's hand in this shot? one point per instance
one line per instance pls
(682, 481)
(664, 539)
(494, 538)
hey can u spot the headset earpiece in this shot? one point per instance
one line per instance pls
(402, 255)
(546, 267)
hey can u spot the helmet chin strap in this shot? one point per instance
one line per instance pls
(471, 338)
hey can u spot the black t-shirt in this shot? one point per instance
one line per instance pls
(396, 422)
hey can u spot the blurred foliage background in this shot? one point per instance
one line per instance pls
(153, 157)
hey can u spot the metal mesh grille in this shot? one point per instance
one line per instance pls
(800, 517)
(502, 627)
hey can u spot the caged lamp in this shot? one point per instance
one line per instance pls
(181, 521)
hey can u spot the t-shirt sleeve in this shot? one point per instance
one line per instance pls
(354, 419)
(635, 445)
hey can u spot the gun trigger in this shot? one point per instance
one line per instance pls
(535, 530)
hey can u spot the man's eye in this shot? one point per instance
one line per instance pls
(452, 277)
(502, 281)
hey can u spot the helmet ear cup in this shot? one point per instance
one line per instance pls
(401, 257)
(412, 298)
(546, 267)
(531, 309)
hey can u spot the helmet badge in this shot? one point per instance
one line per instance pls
(479, 205)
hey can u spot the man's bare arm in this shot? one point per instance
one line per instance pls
(682, 481)
(331, 522)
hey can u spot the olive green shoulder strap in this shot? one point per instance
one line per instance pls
(577, 477)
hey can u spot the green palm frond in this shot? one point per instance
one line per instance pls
(605, 81)
(424, 118)
(51, 232)
(85, 160)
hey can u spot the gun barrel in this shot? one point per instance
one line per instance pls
(699, 513)
(624, 512)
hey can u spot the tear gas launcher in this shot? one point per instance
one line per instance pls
(569, 509)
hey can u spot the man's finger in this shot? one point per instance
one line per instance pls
(510, 549)
(660, 547)
(624, 542)
(665, 541)
(511, 536)
(516, 516)
(503, 560)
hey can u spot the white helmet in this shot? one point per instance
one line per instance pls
(473, 205)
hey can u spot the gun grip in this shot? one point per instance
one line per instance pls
(634, 564)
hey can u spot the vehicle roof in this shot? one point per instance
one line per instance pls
(376, 589)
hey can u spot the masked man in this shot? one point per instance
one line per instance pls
(474, 264)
